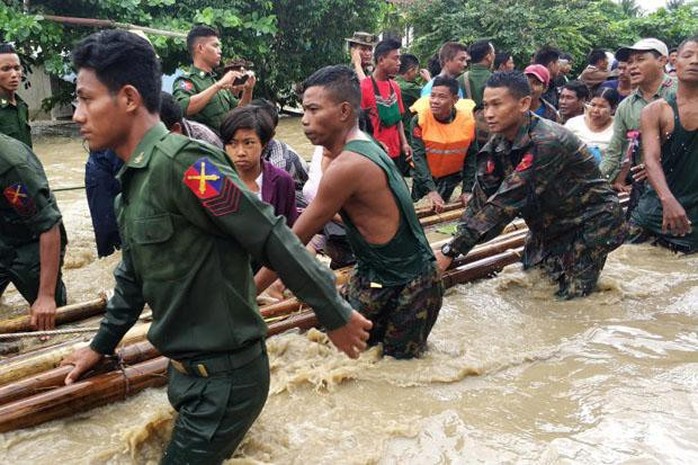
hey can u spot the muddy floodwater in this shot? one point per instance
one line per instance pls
(512, 375)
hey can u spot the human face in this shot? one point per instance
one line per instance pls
(687, 63)
(441, 102)
(322, 116)
(673, 56)
(599, 110)
(456, 66)
(570, 104)
(10, 72)
(366, 54)
(623, 74)
(644, 67)
(507, 65)
(100, 114)
(390, 63)
(209, 51)
(554, 68)
(245, 150)
(503, 112)
(537, 87)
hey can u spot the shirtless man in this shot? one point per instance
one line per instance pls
(669, 128)
(395, 283)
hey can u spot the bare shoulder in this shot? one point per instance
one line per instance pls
(657, 110)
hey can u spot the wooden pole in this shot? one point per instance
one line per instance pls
(65, 314)
(109, 24)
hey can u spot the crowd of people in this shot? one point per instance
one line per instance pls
(210, 207)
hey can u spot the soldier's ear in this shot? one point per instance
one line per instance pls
(346, 111)
(131, 97)
(525, 104)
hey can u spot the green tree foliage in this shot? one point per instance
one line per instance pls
(287, 40)
(521, 26)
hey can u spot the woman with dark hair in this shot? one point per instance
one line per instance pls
(595, 126)
(246, 131)
(503, 61)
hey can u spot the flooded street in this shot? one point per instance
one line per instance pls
(512, 375)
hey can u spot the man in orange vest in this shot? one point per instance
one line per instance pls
(442, 137)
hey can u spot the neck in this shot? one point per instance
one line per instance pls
(647, 89)
(251, 174)
(510, 134)
(9, 95)
(625, 85)
(536, 103)
(445, 118)
(141, 125)
(444, 72)
(199, 63)
(687, 91)
(380, 75)
(596, 125)
(336, 146)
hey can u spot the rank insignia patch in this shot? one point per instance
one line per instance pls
(217, 193)
(18, 197)
(489, 166)
(525, 163)
(186, 85)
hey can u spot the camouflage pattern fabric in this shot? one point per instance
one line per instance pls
(402, 316)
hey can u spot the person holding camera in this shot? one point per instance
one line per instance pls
(202, 96)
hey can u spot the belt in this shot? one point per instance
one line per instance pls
(212, 365)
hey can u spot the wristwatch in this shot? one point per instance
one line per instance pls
(449, 251)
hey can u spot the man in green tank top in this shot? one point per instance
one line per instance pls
(666, 212)
(395, 283)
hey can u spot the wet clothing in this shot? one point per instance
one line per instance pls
(441, 152)
(14, 119)
(680, 166)
(626, 122)
(102, 187)
(189, 228)
(403, 268)
(548, 177)
(379, 98)
(195, 81)
(28, 208)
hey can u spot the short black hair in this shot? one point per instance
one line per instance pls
(449, 50)
(446, 81)
(500, 58)
(170, 111)
(595, 56)
(341, 81)
(673, 49)
(693, 38)
(516, 81)
(546, 55)
(579, 88)
(120, 58)
(434, 65)
(7, 48)
(479, 50)
(198, 31)
(248, 117)
(407, 62)
(384, 47)
(610, 95)
(269, 108)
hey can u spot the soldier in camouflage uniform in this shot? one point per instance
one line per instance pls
(202, 97)
(14, 112)
(542, 172)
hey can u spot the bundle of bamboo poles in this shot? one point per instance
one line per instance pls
(41, 396)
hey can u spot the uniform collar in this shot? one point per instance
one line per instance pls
(666, 83)
(201, 73)
(5, 99)
(522, 139)
(140, 157)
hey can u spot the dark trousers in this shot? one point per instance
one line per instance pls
(215, 412)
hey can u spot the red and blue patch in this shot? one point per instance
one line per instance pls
(525, 163)
(218, 194)
(18, 197)
(186, 85)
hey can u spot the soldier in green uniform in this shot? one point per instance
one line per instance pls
(189, 228)
(202, 97)
(542, 172)
(395, 283)
(14, 113)
(32, 237)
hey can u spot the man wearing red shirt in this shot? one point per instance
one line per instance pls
(382, 100)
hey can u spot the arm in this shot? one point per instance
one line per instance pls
(356, 63)
(674, 218)
(611, 163)
(183, 91)
(247, 89)
(43, 310)
(422, 175)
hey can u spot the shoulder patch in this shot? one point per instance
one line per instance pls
(218, 194)
(489, 166)
(525, 163)
(417, 131)
(18, 197)
(186, 85)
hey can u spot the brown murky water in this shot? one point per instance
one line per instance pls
(512, 376)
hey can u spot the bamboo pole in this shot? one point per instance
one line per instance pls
(109, 24)
(429, 210)
(65, 314)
